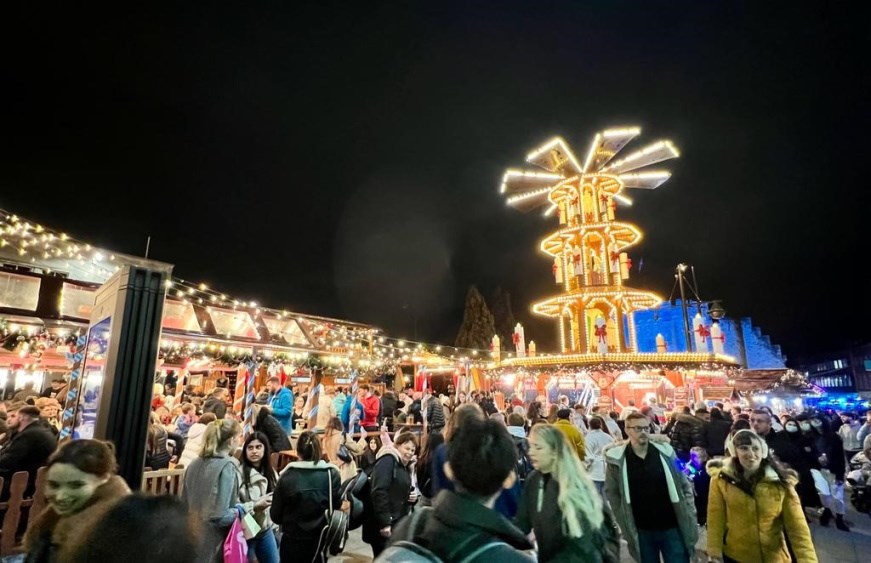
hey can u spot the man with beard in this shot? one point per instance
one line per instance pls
(28, 449)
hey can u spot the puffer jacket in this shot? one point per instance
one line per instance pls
(688, 431)
(680, 492)
(748, 525)
(389, 487)
(301, 497)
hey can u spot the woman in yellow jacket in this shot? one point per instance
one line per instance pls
(751, 504)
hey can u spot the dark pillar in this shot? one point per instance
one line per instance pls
(126, 397)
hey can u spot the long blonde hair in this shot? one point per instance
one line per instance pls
(218, 435)
(578, 496)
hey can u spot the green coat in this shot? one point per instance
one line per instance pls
(679, 488)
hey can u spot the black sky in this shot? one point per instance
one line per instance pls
(344, 158)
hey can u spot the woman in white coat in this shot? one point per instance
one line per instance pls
(194, 443)
(595, 441)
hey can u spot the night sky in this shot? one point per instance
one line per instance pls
(344, 159)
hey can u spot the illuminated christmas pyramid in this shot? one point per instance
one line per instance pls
(594, 309)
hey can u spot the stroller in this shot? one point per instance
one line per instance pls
(859, 479)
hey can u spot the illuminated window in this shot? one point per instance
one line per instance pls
(77, 301)
(180, 316)
(288, 330)
(232, 323)
(19, 292)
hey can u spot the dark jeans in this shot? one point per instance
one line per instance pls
(667, 542)
(378, 545)
(302, 550)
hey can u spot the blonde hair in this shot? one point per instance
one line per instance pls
(218, 435)
(578, 497)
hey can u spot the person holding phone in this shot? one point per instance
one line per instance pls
(258, 483)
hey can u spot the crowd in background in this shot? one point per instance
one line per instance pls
(530, 481)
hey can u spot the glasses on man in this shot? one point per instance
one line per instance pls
(639, 428)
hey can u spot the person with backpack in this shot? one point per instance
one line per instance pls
(516, 429)
(462, 526)
(301, 502)
(560, 504)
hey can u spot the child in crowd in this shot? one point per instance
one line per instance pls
(698, 475)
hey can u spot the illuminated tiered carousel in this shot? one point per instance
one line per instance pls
(599, 360)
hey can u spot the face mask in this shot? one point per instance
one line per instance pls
(816, 423)
(805, 426)
(792, 428)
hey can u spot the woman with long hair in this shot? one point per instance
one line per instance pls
(561, 505)
(302, 501)
(551, 413)
(258, 481)
(334, 437)
(211, 487)
(753, 497)
(423, 467)
(270, 427)
(533, 414)
(157, 454)
(371, 446)
(390, 491)
(464, 412)
(81, 487)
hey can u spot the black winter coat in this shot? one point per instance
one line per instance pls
(688, 431)
(553, 544)
(216, 406)
(27, 450)
(301, 498)
(832, 445)
(267, 424)
(389, 487)
(716, 433)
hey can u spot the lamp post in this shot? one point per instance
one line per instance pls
(681, 279)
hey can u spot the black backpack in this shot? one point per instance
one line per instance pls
(523, 466)
(407, 551)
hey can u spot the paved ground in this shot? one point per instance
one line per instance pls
(833, 545)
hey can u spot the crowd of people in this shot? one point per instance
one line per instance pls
(522, 483)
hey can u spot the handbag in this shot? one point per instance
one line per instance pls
(344, 453)
(250, 527)
(235, 546)
(335, 532)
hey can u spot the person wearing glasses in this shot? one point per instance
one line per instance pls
(652, 500)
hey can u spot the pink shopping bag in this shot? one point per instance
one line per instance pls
(235, 546)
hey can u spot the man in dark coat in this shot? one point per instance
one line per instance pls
(217, 402)
(688, 432)
(27, 450)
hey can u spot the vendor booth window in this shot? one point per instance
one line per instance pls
(180, 316)
(19, 292)
(288, 330)
(77, 301)
(232, 323)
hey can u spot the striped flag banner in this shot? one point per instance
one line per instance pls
(239, 392)
(423, 402)
(354, 416)
(250, 367)
(76, 359)
(314, 399)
